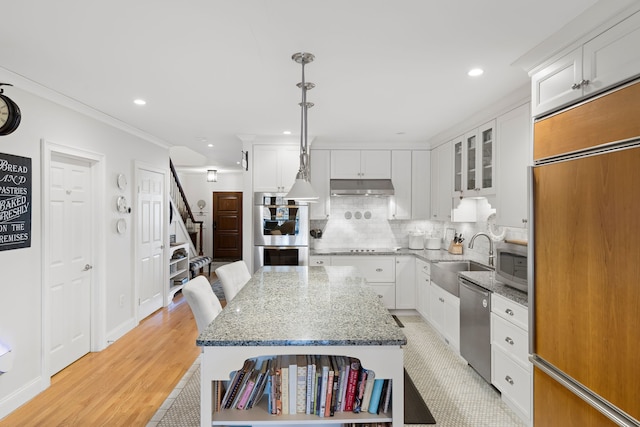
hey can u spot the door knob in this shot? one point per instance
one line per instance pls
(87, 267)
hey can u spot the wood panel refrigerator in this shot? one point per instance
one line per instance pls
(585, 263)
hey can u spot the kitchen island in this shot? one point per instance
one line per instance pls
(301, 310)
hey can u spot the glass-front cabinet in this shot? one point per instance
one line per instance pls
(474, 162)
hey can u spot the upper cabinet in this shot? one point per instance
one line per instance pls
(420, 184)
(360, 164)
(474, 162)
(441, 184)
(275, 167)
(610, 58)
(512, 158)
(319, 167)
(400, 203)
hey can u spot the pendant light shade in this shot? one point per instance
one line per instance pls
(302, 189)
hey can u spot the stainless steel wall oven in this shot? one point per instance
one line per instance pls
(281, 231)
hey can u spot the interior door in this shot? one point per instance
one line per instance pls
(70, 260)
(227, 225)
(150, 241)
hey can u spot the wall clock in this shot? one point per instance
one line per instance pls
(9, 113)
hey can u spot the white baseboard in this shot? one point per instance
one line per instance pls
(120, 331)
(22, 395)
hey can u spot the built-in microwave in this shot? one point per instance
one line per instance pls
(511, 266)
(280, 222)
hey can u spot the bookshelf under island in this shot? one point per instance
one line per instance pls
(301, 311)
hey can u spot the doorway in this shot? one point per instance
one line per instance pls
(73, 311)
(227, 226)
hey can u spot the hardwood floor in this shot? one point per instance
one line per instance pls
(123, 385)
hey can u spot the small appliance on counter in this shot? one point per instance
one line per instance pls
(432, 243)
(416, 239)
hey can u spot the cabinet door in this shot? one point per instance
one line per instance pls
(375, 164)
(613, 56)
(486, 159)
(436, 307)
(441, 182)
(420, 184)
(423, 283)
(555, 85)
(513, 157)
(319, 176)
(459, 170)
(477, 161)
(265, 173)
(400, 202)
(405, 282)
(288, 166)
(345, 164)
(452, 320)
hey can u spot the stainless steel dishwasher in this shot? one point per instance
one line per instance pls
(475, 329)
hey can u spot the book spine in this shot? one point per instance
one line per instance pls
(327, 408)
(375, 396)
(301, 388)
(354, 372)
(323, 390)
(368, 388)
(362, 382)
(387, 398)
(310, 377)
(284, 388)
(242, 401)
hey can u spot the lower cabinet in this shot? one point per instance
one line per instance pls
(445, 315)
(511, 371)
(380, 272)
(423, 283)
(405, 288)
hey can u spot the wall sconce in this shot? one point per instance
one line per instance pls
(212, 175)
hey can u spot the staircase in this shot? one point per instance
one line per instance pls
(182, 214)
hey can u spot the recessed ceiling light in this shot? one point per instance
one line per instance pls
(139, 101)
(287, 132)
(475, 72)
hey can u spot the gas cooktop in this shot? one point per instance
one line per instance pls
(356, 250)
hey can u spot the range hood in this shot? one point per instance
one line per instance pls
(361, 187)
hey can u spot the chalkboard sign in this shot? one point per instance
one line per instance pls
(15, 202)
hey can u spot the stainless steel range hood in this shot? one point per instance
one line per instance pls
(361, 187)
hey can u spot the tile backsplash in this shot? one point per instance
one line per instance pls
(363, 222)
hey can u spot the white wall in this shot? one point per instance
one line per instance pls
(196, 188)
(21, 300)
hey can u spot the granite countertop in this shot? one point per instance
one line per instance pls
(304, 306)
(481, 278)
(486, 280)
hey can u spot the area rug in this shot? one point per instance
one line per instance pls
(185, 409)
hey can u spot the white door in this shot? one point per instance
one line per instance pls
(70, 261)
(150, 241)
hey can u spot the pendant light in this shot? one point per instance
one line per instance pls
(302, 189)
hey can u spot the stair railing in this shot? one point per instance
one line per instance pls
(180, 200)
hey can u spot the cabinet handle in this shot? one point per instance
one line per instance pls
(441, 300)
(575, 86)
(509, 340)
(319, 262)
(524, 220)
(509, 312)
(379, 270)
(508, 379)
(579, 85)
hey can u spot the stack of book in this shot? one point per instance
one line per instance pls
(305, 384)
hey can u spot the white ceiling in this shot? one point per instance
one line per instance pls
(215, 70)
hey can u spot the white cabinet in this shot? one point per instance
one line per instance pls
(474, 162)
(441, 183)
(511, 371)
(400, 202)
(420, 184)
(423, 283)
(379, 271)
(178, 267)
(319, 168)
(275, 167)
(360, 164)
(513, 157)
(601, 62)
(410, 177)
(445, 315)
(319, 261)
(405, 282)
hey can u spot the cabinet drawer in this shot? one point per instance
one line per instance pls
(510, 338)
(511, 311)
(387, 292)
(512, 380)
(321, 261)
(373, 268)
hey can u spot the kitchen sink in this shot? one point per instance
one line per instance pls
(445, 273)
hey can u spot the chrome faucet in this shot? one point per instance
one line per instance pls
(482, 233)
